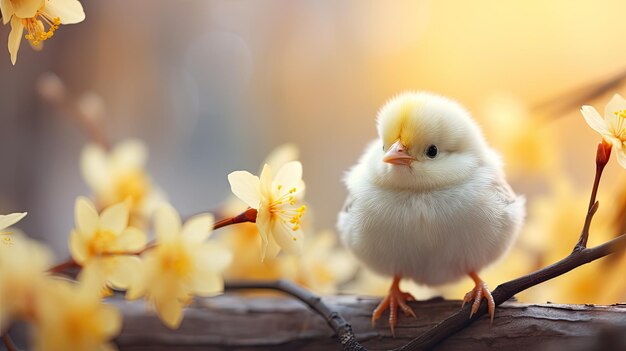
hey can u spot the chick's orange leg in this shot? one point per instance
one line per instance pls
(476, 295)
(392, 301)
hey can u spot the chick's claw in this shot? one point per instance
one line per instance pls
(476, 295)
(392, 301)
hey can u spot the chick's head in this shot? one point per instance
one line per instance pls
(428, 142)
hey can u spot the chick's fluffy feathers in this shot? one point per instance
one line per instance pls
(439, 218)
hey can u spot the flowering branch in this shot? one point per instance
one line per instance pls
(248, 215)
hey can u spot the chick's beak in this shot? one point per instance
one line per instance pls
(398, 155)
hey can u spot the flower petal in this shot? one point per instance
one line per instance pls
(125, 271)
(7, 10)
(207, 284)
(246, 187)
(621, 157)
(130, 154)
(86, 217)
(166, 222)
(289, 176)
(263, 222)
(110, 319)
(265, 182)
(27, 9)
(131, 239)
(171, 312)
(68, 11)
(94, 167)
(282, 154)
(15, 37)
(115, 217)
(214, 256)
(594, 120)
(139, 286)
(78, 247)
(288, 239)
(10, 219)
(272, 248)
(197, 229)
(617, 103)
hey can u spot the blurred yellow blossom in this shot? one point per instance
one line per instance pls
(612, 126)
(96, 237)
(322, 266)
(526, 142)
(120, 175)
(40, 18)
(7, 221)
(277, 201)
(244, 240)
(22, 274)
(282, 155)
(72, 316)
(181, 265)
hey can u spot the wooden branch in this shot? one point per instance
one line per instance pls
(277, 323)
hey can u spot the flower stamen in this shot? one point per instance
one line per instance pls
(36, 28)
(6, 238)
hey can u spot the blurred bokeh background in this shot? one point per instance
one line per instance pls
(215, 86)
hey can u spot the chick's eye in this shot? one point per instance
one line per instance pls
(432, 151)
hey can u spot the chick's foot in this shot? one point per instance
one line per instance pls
(392, 301)
(476, 295)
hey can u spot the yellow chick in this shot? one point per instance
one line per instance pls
(428, 201)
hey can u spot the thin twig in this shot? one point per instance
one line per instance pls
(603, 154)
(342, 329)
(8, 342)
(248, 215)
(64, 266)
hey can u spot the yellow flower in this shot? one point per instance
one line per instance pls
(7, 221)
(244, 239)
(22, 271)
(97, 235)
(277, 202)
(612, 127)
(71, 316)
(181, 265)
(323, 266)
(40, 18)
(120, 175)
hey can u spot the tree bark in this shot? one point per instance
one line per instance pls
(244, 322)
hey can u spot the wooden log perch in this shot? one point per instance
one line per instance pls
(241, 322)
